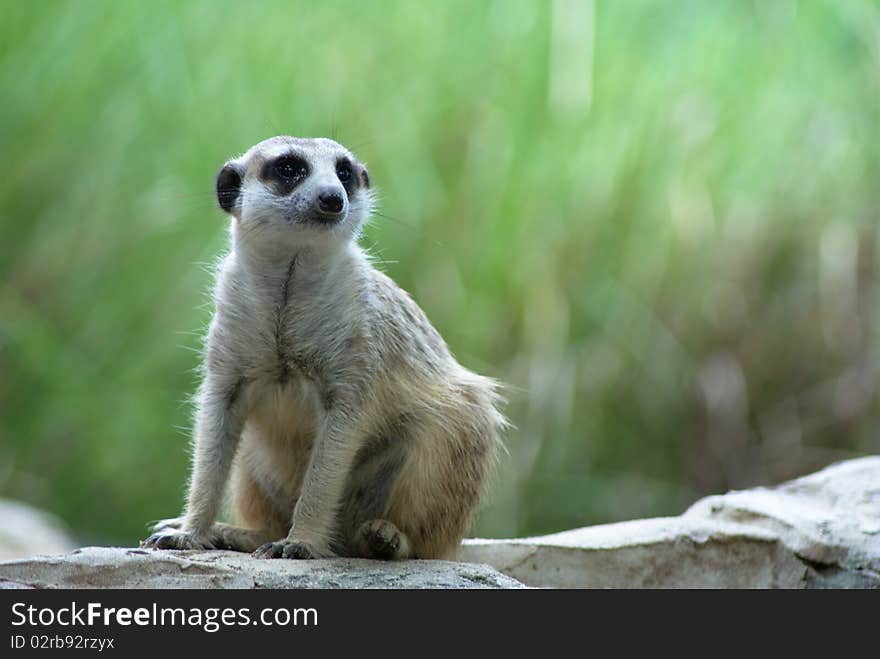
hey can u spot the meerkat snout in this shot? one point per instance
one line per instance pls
(331, 202)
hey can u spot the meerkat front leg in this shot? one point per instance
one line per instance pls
(219, 422)
(315, 514)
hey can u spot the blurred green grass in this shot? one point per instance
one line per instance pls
(656, 221)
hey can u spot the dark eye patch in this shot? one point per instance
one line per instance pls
(345, 174)
(343, 169)
(285, 172)
(290, 167)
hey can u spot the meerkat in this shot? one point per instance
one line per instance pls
(329, 400)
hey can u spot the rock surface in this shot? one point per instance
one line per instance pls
(820, 531)
(25, 531)
(114, 567)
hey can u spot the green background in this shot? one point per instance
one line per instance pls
(657, 221)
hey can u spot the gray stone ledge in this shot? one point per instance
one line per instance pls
(820, 531)
(115, 567)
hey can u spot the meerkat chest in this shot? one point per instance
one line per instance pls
(280, 344)
(300, 322)
(283, 334)
(284, 386)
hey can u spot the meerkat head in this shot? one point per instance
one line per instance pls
(291, 190)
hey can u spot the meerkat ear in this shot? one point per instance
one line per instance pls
(364, 177)
(229, 186)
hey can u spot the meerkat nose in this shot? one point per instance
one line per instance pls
(331, 202)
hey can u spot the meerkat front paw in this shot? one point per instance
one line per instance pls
(170, 538)
(164, 524)
(291, 549)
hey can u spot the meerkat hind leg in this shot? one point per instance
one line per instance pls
(236, 538)
(366, 530)
(379, 538)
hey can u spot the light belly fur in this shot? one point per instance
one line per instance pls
(278, 435)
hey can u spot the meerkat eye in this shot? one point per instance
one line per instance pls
(291, 168)
(343, 170)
